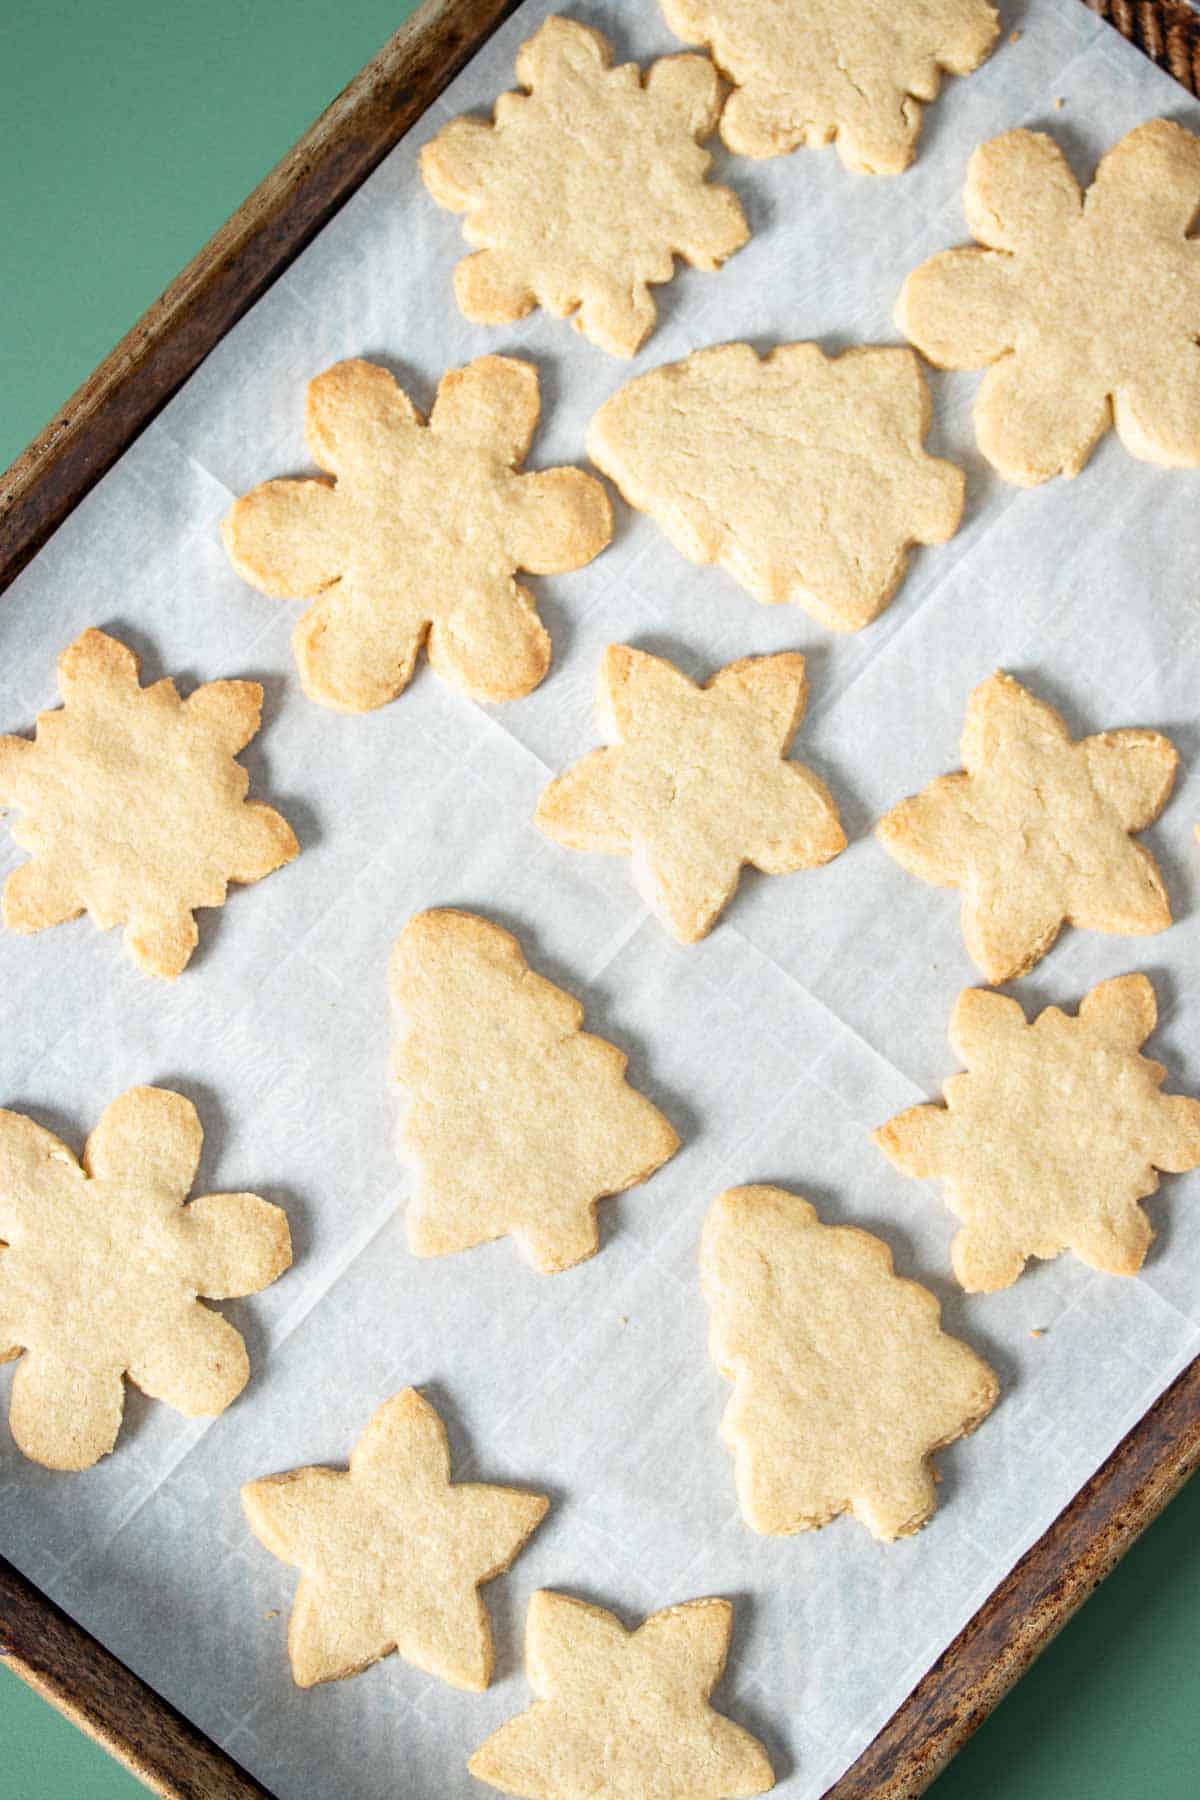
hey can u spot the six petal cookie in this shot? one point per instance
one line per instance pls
(1053, 1136)
(695, 784)
(517, 1121)
(815, 71)
(392, 1553)
(162, 766)
(844, 1381)
(1086, 306)
(586, 188)
(101, 1267)
(1035, 830)
(419, 536)
(802, 475)
(624, 1712)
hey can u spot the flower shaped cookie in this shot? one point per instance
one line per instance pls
(1087, 306)
(419, 536)
(811, 71)
(586, 188)
(1053, 1135)
(133, 806)
(100, 1271)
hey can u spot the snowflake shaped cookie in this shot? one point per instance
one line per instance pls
(161, 766)
(844, 1381)
(802, 475)
(517, 1120)
(392, 1553)
(1074, 343)
(624, 1712)
(815, 71)
(1054, 1134)
(585, 189)
(418, 537)
(1035, 830)
(696, 783)
(101, 1270)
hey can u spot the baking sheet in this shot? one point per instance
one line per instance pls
(815, 1010)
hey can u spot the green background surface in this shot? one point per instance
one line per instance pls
(132, 130)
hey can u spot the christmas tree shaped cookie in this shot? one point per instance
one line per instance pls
(1053, 1135)
(100, 1269)
(812, 71)
(624, 1712)
(392, 1553)
(802, 475)
(696, 783)
(844, 1382)
(517, 1121)
(418, 536)
(1036, 829)
(585, 188)
(1047, 301)
(161, 766)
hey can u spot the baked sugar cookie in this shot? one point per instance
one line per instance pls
(802, 475)
(816, 71)
(624, 1712)
(162, 766)
(1053, 1135)
(844, 1381)
(1072, 339)
(1035, 829)
(696, 783)
(392, 1554)
(585, 189)
(417, 537)
(517, 1121)
(100, 1271)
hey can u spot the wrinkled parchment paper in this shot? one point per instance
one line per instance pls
(815, 1010)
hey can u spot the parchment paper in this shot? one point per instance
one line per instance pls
(815, 1010)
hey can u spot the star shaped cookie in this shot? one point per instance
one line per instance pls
(815, 71)
(802, 475)
(162, 766)
(624, 1712)
(1074, 343)
(1035, 830)
(417, 537)
(516, 1120)
(392, 1554)
(585, 189)
(1053, 1135)
(100, 1270)
(695, 783)
(844, 1381)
